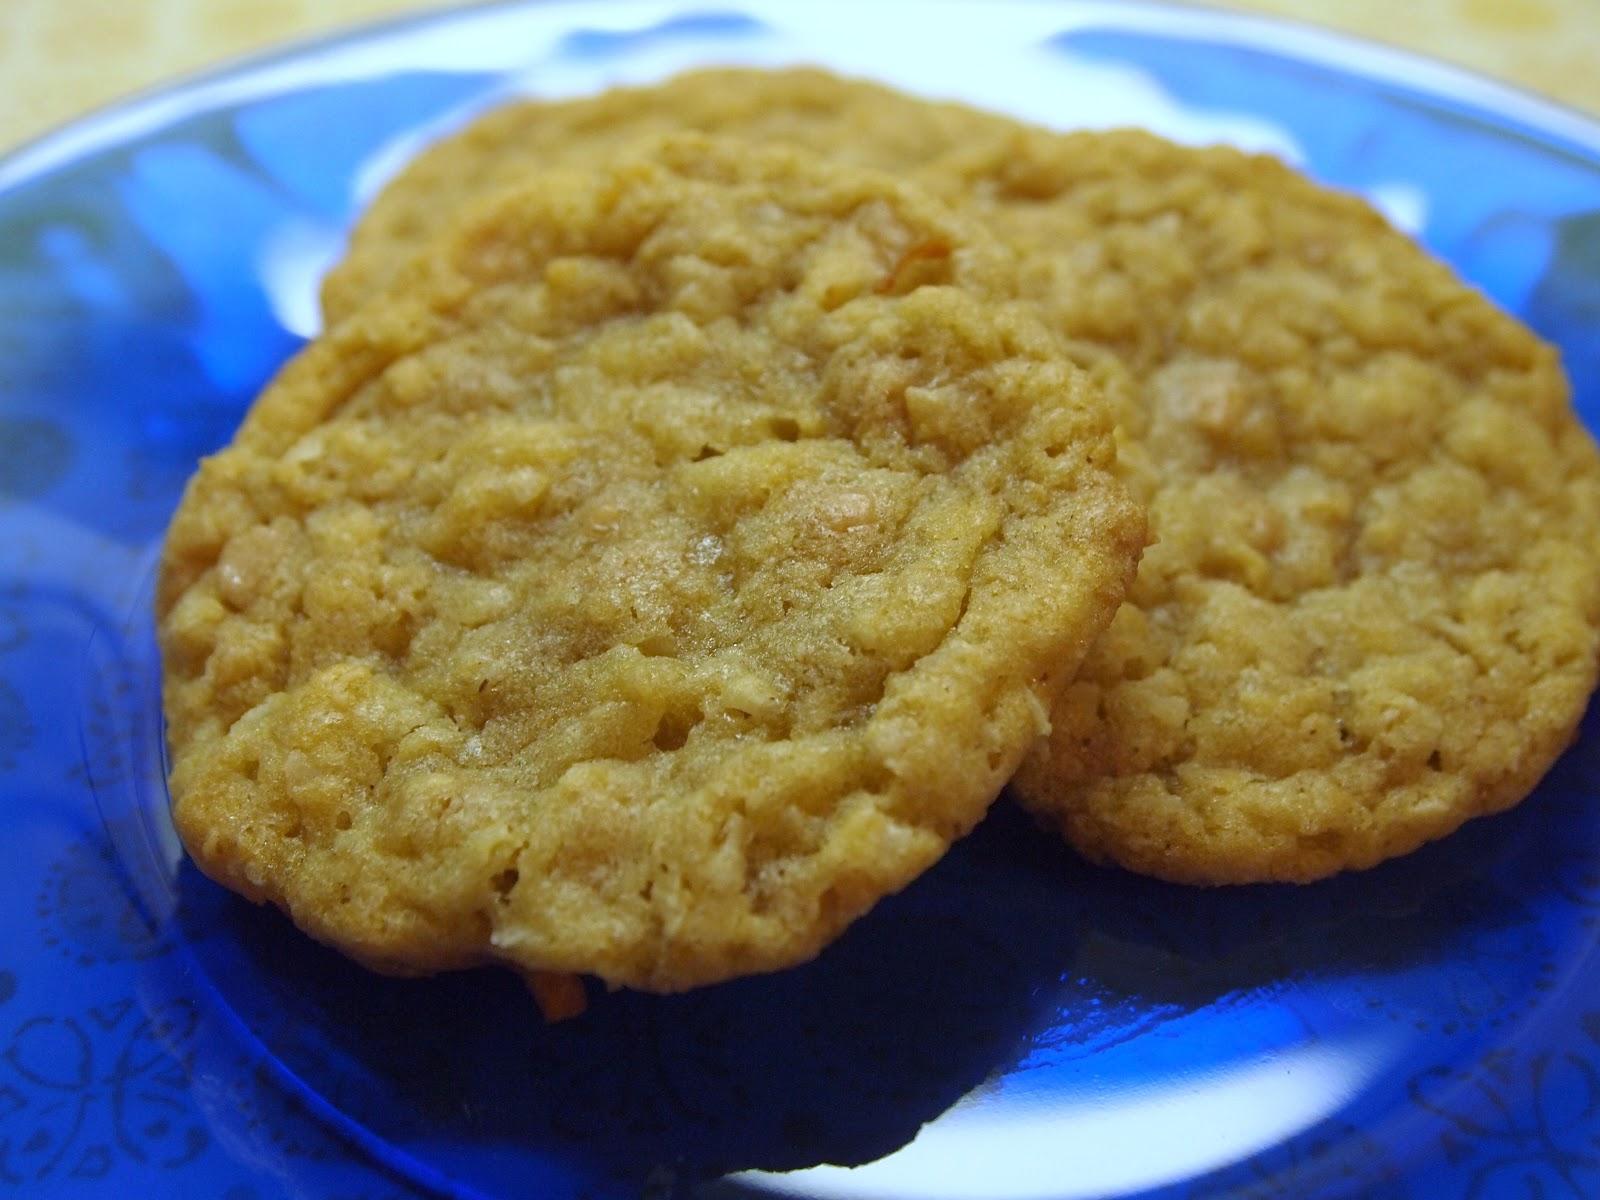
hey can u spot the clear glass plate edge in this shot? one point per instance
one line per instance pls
(401, 42)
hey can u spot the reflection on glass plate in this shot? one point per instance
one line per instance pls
(1016, 1024)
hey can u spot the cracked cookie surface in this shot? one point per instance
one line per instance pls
(662, 573)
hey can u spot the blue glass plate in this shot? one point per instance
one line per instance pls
(1015, 1026)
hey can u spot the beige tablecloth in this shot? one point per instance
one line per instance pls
(59, 58)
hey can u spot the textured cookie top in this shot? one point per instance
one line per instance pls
(1370, 610)
(665, 572)
(848, 120)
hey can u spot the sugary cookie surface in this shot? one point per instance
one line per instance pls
(661, 574)
(846, 120)
(1370, 610)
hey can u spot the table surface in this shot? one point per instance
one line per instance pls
(60, 58)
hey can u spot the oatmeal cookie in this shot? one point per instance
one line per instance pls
(662, 573)
(1370, 611)
(850, 121)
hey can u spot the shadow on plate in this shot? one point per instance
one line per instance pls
(1010, 956)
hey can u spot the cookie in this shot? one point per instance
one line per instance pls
(1370, 610)
(662, 572)
(1358, 630)
(848, 120)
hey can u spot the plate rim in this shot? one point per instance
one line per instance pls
(118, 121)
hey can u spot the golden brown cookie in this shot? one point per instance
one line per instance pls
(848, 120)
(1370, 610)
(1315, 674)
(662, 574)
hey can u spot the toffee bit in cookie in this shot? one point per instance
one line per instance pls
(918, 266)
(560, 996)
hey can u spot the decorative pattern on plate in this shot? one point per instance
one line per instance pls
(87, 913)
(1518, 1123)
(84, 1091)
